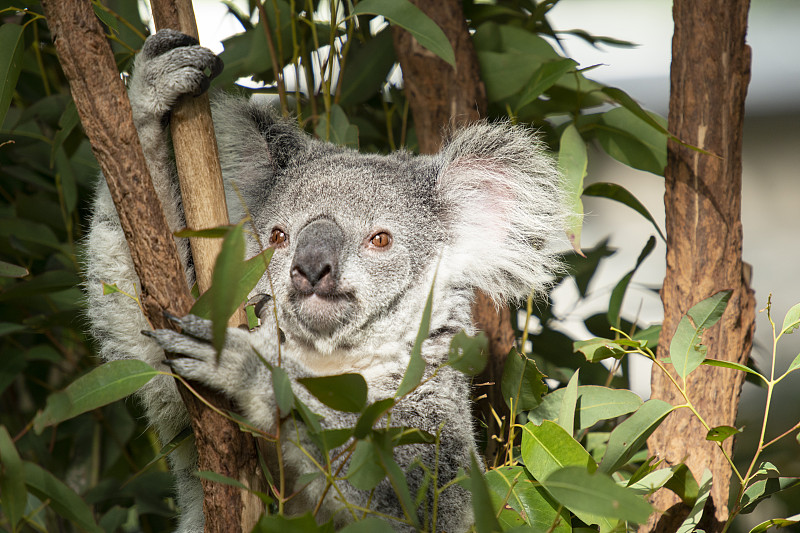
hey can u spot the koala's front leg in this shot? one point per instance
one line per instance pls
(238, 371)
(171, 65)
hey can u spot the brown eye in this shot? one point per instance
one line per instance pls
(381, 240)
(277, 238)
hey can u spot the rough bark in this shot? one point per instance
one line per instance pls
(105, 113)
(442, 97)
(709, 77)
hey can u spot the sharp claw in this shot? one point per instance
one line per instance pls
(149, 333)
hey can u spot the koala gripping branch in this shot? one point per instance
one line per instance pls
(105, 113)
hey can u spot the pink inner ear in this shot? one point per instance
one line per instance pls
(482, 191)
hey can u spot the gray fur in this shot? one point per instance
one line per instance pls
(481, 214)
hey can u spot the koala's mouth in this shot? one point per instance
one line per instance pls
(322, 314)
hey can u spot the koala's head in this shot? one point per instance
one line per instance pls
(358, 238)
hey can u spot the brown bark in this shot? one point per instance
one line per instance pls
(105, 113)
(709, 77)
(442, 97)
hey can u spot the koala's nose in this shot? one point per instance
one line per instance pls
(315, 267)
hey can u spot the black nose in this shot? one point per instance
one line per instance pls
(315, 267)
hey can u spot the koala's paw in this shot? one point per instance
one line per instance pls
(169, 66)
(234, 367)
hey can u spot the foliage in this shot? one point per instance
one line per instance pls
(75, 458)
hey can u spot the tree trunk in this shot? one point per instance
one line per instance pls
(709, 76)
(106, 116)
(441, 98)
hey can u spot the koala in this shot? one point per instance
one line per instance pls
(359, 240)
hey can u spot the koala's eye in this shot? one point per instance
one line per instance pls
(381, 240)
(277, 238)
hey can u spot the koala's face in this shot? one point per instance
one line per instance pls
(354, 237)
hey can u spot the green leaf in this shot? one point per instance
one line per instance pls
(105, 384)
(69, 119)
(597, 349)
(684, 485)
(522, 382)
(618, 293)
(7, 328)
(629, 140)
(485, 519)
(406, 15)
(622, 98)
(792, 367)
(792, 320)
(720, 433)
(706, 313)
(543, 78)
(515, 486)
(760, 490)
(11, 47)
(686, 352)
(338, 130)
(569, 400)
(548, 447)
(572, 160)
(594, 403)
(396, 477)
(62, 499)
(367, 68)
(252, 272)
(468, 354)
(367, 525)
(295, 524)
(597, 494)
(629, 436)
(7, 270)
(218, 232)
(370, 415)
(620, 194)
(343, 392)
(12, 480)
(416, 364)
(777, 522)
(282, 388)
(689, 525)
(365, 470)
(228, 269)
(652, 481)
(734, 366)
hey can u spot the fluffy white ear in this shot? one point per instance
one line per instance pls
(505, 208)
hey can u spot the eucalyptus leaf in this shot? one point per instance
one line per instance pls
(618, 293)
(762, 489)
(12, 480)
(282, 388)
(734, 366)
(336, 128)
(484, 512)
(720, 433)
(107, 383)
(690, 523)
(543, 78)
(596, 494)
(416, 365)
(370, 415)
(517, 488)
(572, 161)
(229, 268)
(620, 194)
(792, 320)
(409, 17)
(630, 435)
(12, 46)
(343, 392)
(569, 400)
(776, 522)
(593, 403)
(522, 385)
(468, 354)
(61, 498)
(8, 270)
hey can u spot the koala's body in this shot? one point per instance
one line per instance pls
(359, 240)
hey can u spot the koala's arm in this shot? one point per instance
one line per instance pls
(438, 406)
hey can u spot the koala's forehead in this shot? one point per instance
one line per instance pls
(359, 187)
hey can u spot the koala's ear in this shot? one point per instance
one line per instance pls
(504, 207)
(255, 143)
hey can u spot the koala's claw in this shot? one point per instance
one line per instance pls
(193, 325)
(165, 40)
